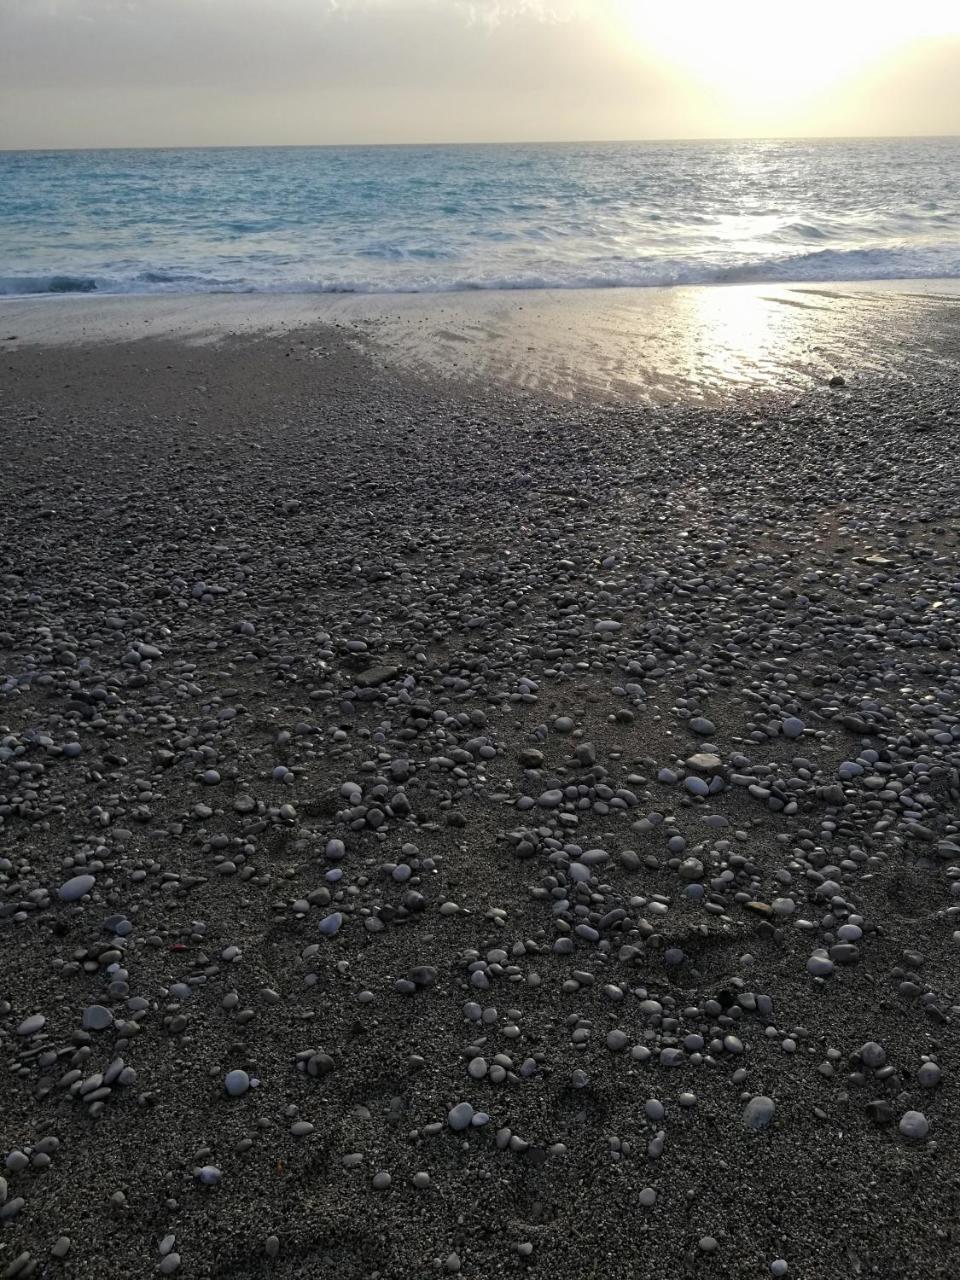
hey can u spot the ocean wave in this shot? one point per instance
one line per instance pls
(25, 285)
(814, 266)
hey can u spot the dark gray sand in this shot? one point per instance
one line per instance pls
(442, 832)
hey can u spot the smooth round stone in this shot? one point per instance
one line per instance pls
(452, 1263)
(654, 1109)
(461, 1116)
(169, 1264)
(793, 728)
(616, 1040)
(696, 786)
(758, 1112)
(335, 850)
(73, 890)
(550, 799)
(914, 1124)
(708, 1244)
(421, 1180)
(209, 1175)
(330, 925)
(647, 1198)
(236, 1083)
(97, 1018)
(820, 966)
(302, 1128)
(691, 869)
(30, 1026)
(477, 1068)
(778, 1268)
(845, 953)
(702, 726)
(928, 1077)
(381, 1180)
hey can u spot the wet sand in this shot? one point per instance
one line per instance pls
(612, 346)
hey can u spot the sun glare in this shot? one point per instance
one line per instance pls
(759, 54)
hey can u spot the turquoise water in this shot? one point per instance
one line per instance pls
(384, 219)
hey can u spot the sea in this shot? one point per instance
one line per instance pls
(447, 218)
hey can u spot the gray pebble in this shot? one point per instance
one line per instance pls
(913, 1124)
(461, 1116)
(73, 890)
(236, 1083)
(97, 1017)
(928, 1077)
(758, 1112)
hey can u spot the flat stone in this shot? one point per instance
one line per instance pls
(374, 676)
(97, 1017)
(704, 762)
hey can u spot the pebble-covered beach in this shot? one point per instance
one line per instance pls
(443, 832)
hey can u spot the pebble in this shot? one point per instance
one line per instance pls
(929, 1075)
(73, 890)
(819, 965)
(758, 1112)
(97, 1017)
(236, 1083)
(913, 1124)
(461, 1116)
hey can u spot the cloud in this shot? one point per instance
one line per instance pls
(179, 72)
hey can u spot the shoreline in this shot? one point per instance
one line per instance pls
(653, 345)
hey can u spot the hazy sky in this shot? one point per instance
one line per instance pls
(193, 72)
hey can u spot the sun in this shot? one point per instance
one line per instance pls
(758, 54)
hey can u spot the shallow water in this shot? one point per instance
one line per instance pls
(441, 218)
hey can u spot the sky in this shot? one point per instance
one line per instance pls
(90, 73)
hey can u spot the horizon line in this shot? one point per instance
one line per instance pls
(518, 142)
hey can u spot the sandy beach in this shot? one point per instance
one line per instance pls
(479, 785)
